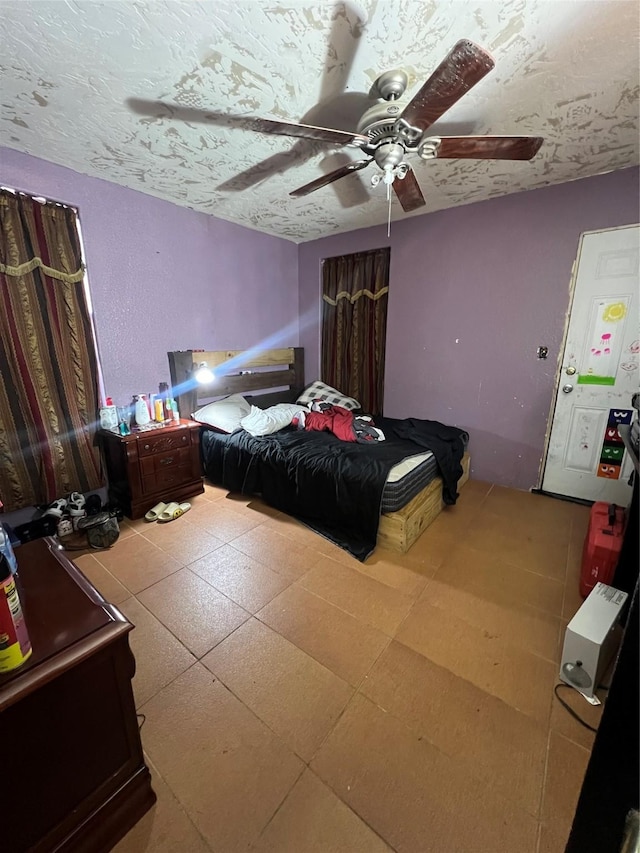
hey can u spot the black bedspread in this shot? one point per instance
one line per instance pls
(334, 487)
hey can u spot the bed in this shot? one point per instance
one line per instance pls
(357, 494)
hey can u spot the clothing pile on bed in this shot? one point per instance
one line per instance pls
(340, 421)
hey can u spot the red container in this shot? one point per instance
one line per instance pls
(602, 545)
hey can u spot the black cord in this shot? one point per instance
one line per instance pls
(141, 716)
(570, 709)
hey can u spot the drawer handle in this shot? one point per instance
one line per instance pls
(147, 446)
(167, 461)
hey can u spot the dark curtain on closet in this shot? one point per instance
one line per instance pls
(48, 364)
(354, 321)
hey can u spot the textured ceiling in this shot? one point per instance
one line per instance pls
(73, 72)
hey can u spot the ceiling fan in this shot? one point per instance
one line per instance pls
(389, 132)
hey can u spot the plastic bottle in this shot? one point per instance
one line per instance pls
(15, 645)
(141, 410)
(109, 415)
(7, 549)
(163, 393)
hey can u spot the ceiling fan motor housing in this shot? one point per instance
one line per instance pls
(378, 121)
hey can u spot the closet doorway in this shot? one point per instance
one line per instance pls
(355, 290)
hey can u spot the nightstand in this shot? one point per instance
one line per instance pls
(156, 465)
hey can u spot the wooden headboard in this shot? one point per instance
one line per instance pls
(237, 372)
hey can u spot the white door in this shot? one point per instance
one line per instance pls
(586, 457)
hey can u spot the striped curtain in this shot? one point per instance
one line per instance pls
(48, 364)
(354, 323)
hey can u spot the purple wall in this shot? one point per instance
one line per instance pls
(163, 277)
(474, 291)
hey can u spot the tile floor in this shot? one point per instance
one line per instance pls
(297, 701)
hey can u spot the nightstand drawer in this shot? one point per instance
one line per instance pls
(166, 479)
(155, 464)
(150, 444)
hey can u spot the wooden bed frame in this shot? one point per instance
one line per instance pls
(250, 372)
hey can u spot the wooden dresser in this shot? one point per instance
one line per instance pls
(156, 465)
(74, 775)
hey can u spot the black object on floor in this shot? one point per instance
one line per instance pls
(36, 529)
(93, 505)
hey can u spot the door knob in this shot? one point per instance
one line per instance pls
(570, 370)
(567, 389)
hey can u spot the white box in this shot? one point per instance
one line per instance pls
(591, 639)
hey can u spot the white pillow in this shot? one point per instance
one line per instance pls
(320, 391)
(260, 422)
(224, 415)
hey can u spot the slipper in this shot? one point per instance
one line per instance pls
(56, 508)
(154, 512)
(173, 510)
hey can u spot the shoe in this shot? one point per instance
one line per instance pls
(93, 505)
(173, 510)
(56, 508)
(75, 504)
(154, 512)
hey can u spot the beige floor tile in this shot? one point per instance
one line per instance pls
(476, 490)
(413, 795)
(132, 525)
(224, 523)
(487, 575)
(106, 584)
(184, 541)
(368, 600)
(138, 563)
(521, 625)
(165, 828)
(290, 527)
(160, 657)
(196, 613)
(553, 837)
(293, 694)
(432, 547)
(454, 518)
(566, 766)
(390, 569)
(214, 493)
(532, 548)
(227, 769)
(250, 505)
(241, 578)
(277, 552)
(564, 724)
(516, 503)
(518, 677)
(313, 820)
(334, 638)
(463, 721)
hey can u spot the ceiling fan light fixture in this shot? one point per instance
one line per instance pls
(428, 149)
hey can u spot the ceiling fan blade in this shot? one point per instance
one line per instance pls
(305, 131)
(355, 166)
(161, 109)
(490, 147)
(408, 192)
(462, 68)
